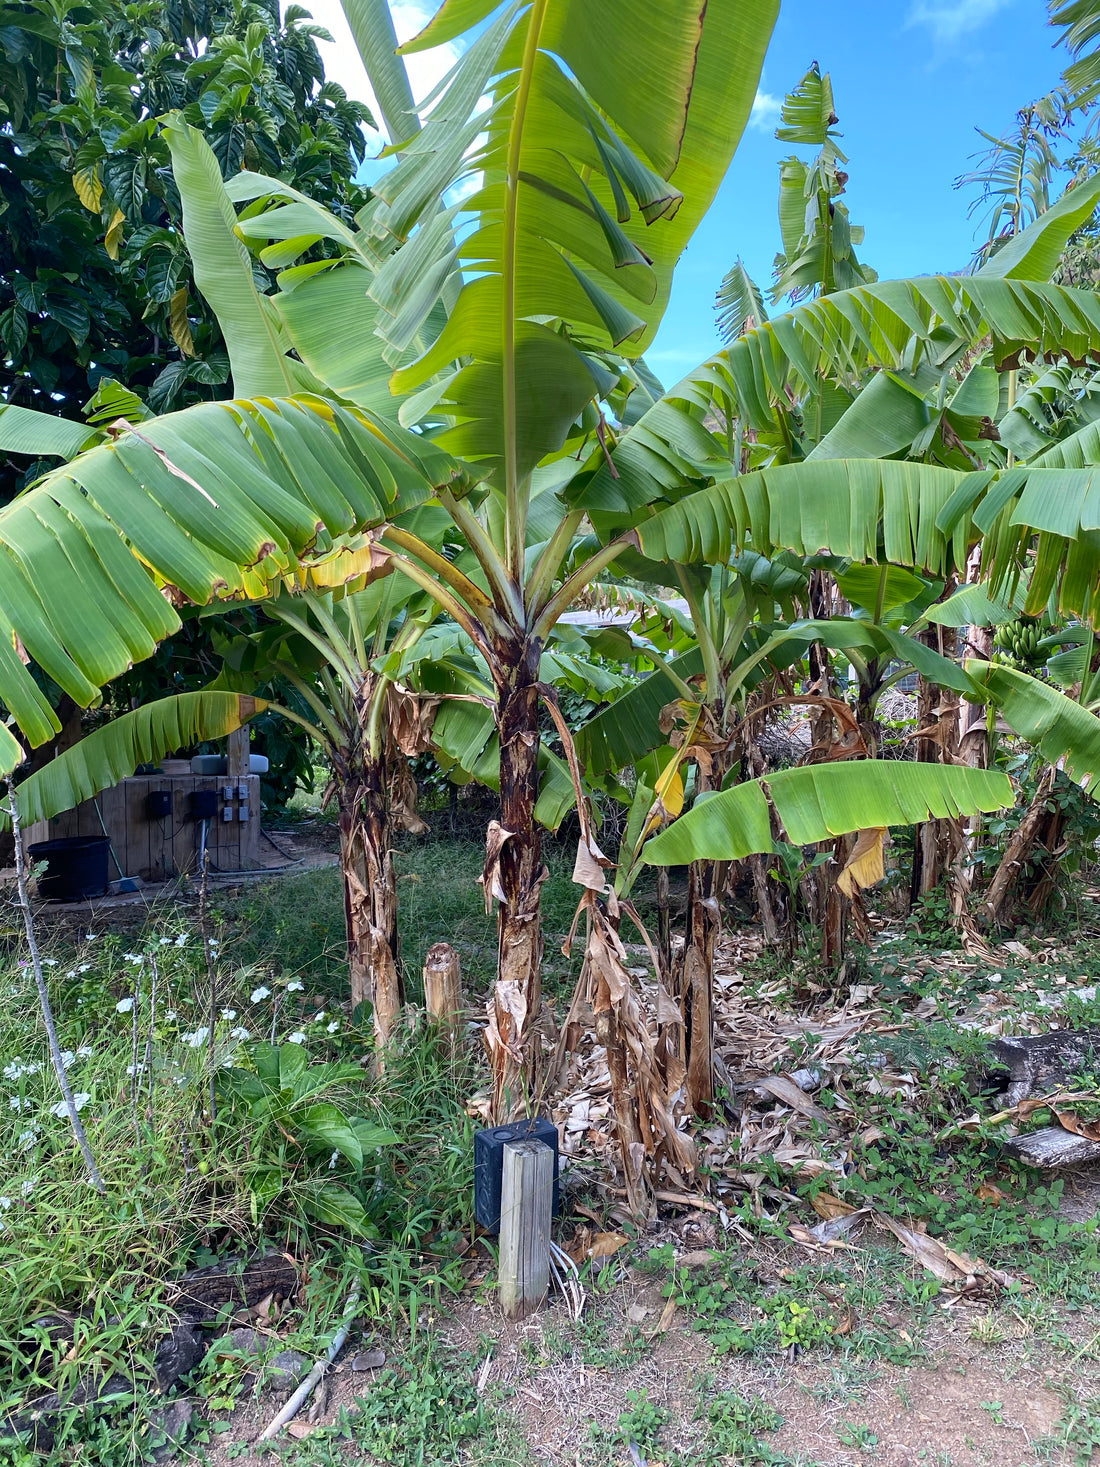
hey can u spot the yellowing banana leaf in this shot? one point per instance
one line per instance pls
(1059, 727)
(113, 752)
(820, 801)
(866, 866)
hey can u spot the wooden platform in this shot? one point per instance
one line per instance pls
(161, 848)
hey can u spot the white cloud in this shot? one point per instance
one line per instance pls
(343, 64)
(948, 22)
(765, 111)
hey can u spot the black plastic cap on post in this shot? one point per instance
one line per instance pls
(489, 1164)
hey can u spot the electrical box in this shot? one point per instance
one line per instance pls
(242, 792)
(229, 794)
(158, 804)
(489, 1164)
(227, 813)
(242, 814)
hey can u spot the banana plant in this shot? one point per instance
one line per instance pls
(220, 502)
(341, 654)
(603, 142)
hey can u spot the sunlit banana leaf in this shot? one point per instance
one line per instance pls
(221, 500)
(112, 753)
(820, 801)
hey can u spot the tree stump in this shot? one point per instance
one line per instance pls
(526, 1203)
(443, 987)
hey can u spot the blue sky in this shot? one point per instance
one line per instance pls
(911, 81)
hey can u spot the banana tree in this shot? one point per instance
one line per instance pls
(219, 502)
(605, 137)
(808, 805)
(341, 653)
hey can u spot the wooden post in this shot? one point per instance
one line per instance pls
(526, 1201)
(238, 762)
(443, 986)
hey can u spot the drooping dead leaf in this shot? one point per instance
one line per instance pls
(1071, 1121)
(299, 1430)
(590, 866)
(495, 839)
(990, 1192)
(866, 865)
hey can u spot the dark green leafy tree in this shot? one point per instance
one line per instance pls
(96, 285)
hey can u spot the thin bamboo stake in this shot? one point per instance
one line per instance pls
(44, 999)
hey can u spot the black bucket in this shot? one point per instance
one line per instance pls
(76, 867)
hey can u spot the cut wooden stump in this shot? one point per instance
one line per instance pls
(1053, 1146)
(526, 1202)
(443, 986)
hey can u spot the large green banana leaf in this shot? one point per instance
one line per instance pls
(908, 514)
(1034, 253)
(23, 430)
(820, 801)
(221, 500)
(594, 106)
(1055, 724)
(253, 334)
(113, 752)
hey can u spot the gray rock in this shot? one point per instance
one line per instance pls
(243, 1341)
(172, 1421)
(369, 1360)
(287, 1367)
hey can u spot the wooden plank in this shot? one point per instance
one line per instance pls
(526, 1201)
(250, 830)
(1053, 1146)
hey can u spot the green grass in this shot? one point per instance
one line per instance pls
(295, 923)
(184, 1189)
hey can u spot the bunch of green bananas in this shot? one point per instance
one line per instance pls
(1017, 644)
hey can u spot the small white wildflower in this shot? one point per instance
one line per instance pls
(133, 1070)
(71, 973)
(49, 962)
(296, 986)
(170, 1015)
(333, 1159)
(62, 1107)
(5, 1204)
(181, 940)
(90, 937)
(26, 1139)
(296, 1038)
(239, 1033)
(229, 1013)
(124, 1005)
(85, 1052)
(258, 994)
(332, 1028)
(67, 1057)
(84, 968)
(166, 942)
(198, 1038)
(133, 957)
(319, 1018)
(14, 1103)
(214, 942)
(27, 1187)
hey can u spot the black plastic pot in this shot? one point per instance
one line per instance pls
(76, 867)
